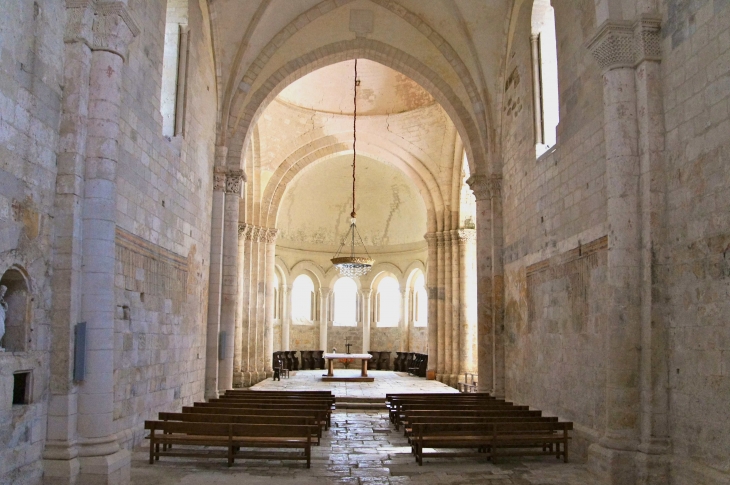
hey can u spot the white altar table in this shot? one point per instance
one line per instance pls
(330, 376)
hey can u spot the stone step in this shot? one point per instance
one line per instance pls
(354, 402)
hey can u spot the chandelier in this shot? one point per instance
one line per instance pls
(353, 266)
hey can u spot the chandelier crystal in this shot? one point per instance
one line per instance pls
(352, 265)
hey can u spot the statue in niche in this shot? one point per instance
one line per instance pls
(3, 312)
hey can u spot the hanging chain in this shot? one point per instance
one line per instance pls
(354, 141)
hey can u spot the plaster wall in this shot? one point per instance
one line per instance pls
(163, 231)
(31, 84)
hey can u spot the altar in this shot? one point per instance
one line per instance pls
(331, 377)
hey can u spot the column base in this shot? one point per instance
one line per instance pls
(653, 463)
(60, 463)
(452, 381)
(211, 395)
(440, 377)
(611, 466)
(114, 469)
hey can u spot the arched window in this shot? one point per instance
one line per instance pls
(420, 302)
(174, 69)
(544, 75)
(345, 295)
(302, 300)
(388, 302)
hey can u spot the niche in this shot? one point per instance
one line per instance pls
(21, 388)
(17, 316)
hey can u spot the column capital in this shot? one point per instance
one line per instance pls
(269, 235)
(495, 186)
(479, 185)
(243, 230)
(228, 181)
(440, 239)
(625, 44)
(103, 26)
(466, 235)
(430, 238)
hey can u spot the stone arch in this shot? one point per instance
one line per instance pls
(364, 49)
(282, 271)
(18, 313)
(246, 81)
(376, 274)
(333, 145)
(311, 269)
(411, 273)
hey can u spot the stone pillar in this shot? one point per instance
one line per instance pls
(270, 250)
(260, 290)
(100, 458)
(324, 316)
(247, 341)
(448, 376)
(495, 189)
(467, 301)
(431, 284)
(285, 317)
(480, 186)
(440, 263)
(60, 462)
(618, 47)
(239, 340)
(229, 286)
(367, 317)
(455, 310)
(215, 278)
(405, 320)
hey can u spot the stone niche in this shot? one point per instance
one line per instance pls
(17, 317)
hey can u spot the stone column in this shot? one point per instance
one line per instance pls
(100, 457)
(367, 317)
(270, 241)
(495, 189)
(248, 336)
(240, 337)
(229, 286)
(285, 317)
(260, 290)
(613, 459)
(467, 301)
(215, 278)
(449, 375)
(480, 186)
(405, 320)
(455, 310)
(324, 316)
(440, 263)
(432, 286)
(60, 462)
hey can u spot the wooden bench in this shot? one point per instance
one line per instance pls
(243, 419)
(231, 437)
(476, 417)
(455, 408)
(324, 413)
(395, 401)
(487, 439)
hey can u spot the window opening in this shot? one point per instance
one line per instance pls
(302, 296)
(420, 302)
(545, 76)
(345, 295)
(174, 69)
(388, 302)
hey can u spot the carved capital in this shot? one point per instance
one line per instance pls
(219, 181)
(479, 184)
(243, 230)
(114, 28)
(79, 21)
(495, 186)
(234, 182)
(625, 44)
(430, 238)
(269, 235)
(439, 239)
(466, 235)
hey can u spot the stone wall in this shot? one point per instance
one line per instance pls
(693, 267)
(304, 337)
(163, 207)
(31, 80)
(553, 207)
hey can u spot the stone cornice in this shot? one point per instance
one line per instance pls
(625, 44)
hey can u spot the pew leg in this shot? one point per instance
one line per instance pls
(152, 450)
(157, 452)
(557, 450)
(565, 452)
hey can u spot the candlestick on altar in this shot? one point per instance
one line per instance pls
(347, 345)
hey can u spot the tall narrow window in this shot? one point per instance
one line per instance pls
(302, 297)
(544, 75)
(345, 294)
(420, 302)
(174, 69)
(388, 302)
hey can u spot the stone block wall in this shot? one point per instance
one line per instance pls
(554, 206)
(31, 84)
(163, 234)
(694, 263)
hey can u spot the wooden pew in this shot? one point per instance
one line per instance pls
(487, 439)
(232, 437)
(442, 416)
(243, 419)
(325, 411)
(394, 402)
(455, 408)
